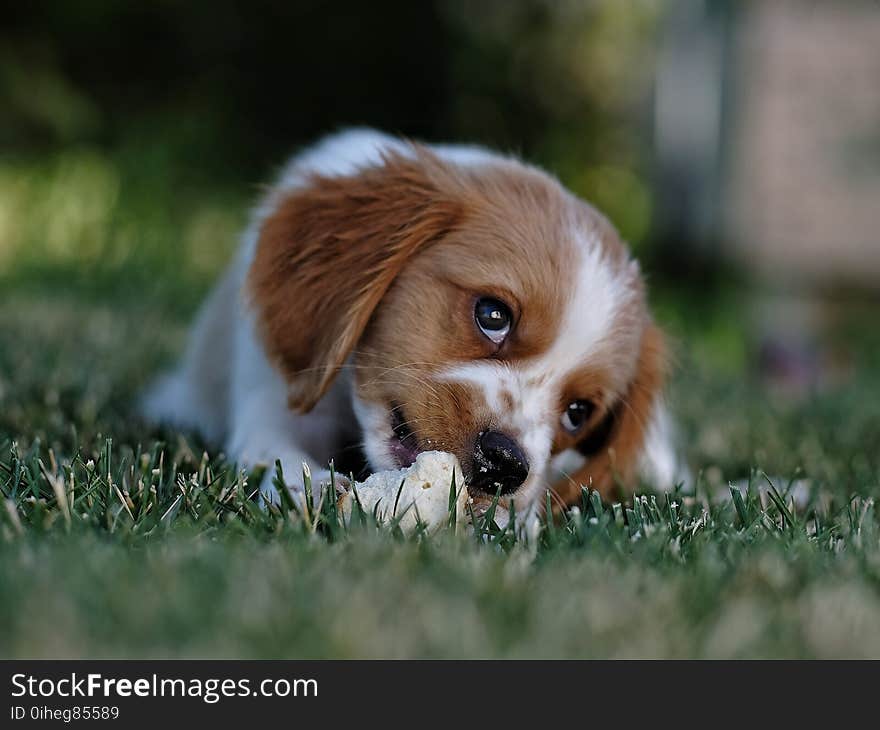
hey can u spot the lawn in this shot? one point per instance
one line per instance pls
(120, 541)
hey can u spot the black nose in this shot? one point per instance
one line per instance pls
(498, 462)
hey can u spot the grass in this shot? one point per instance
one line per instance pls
(118, 540)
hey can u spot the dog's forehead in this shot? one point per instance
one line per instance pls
(526, 233)
(601, 321)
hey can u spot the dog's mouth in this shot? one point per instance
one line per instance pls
(404, 446)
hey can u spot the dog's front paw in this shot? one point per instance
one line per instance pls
(321, 481)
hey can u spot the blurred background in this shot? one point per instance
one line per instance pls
(736, 145)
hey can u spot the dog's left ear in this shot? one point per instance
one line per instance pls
(614, 447)
(328, 252)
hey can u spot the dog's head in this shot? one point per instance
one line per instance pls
(483, 310)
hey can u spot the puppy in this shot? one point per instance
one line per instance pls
(418, 297)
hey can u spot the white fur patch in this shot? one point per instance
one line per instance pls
(374, 421)
(356, 149)
(661, 465)
(566, 463)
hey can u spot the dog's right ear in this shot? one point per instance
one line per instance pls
(328, 252)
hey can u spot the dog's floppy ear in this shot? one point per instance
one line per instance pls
(328, 252)
(613, 448)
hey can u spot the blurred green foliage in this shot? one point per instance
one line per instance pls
(133, 135)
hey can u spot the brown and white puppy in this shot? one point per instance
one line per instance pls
(418, 297)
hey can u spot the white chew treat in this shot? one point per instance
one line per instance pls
(423, 498)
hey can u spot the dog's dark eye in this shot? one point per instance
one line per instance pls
(493, 318)
(576, 414)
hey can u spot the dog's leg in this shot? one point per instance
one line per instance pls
(264, 429)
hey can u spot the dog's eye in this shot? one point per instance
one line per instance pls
(576, 414)
(493, 318)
